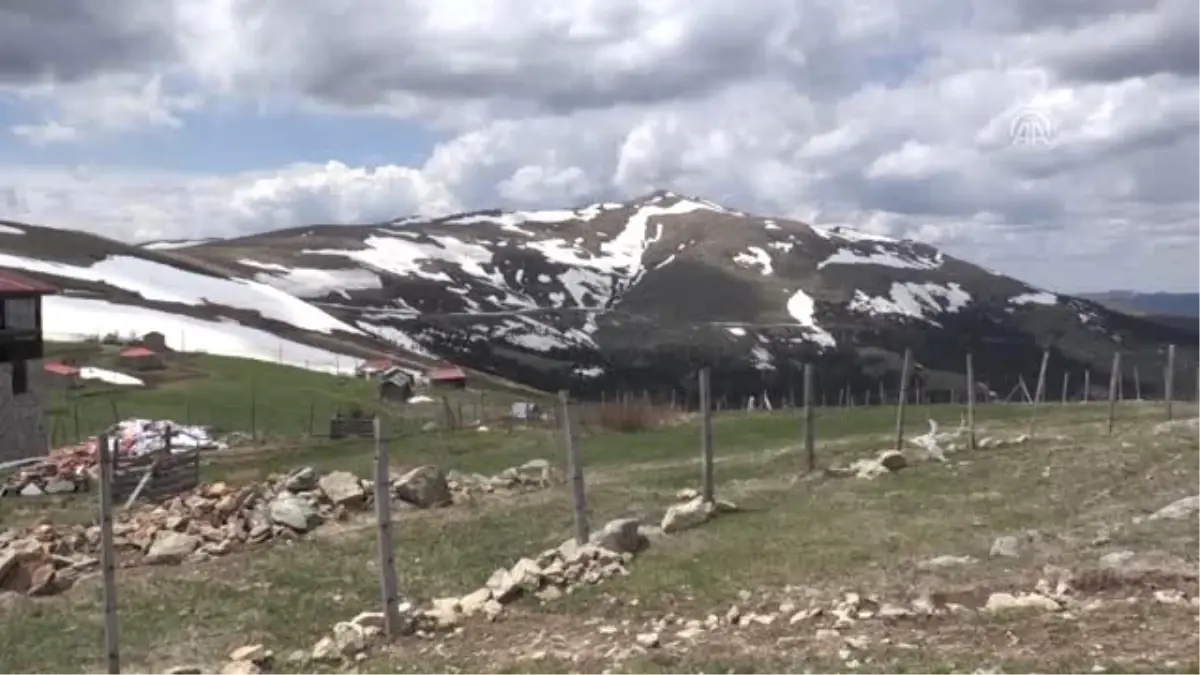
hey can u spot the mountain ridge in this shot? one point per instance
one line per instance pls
(619, 295)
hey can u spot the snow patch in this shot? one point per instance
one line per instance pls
(802, 308)
(1038, 298)
(884, 258)
(8, 229)
(308, 282)
(165, 283)
(109, 376)
(72, 318)
(914, 300)
(737, 330)
(755, 255)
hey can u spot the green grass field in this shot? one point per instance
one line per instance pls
(800, 538)
(274, 403)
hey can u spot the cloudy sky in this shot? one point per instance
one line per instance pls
(1055, 140)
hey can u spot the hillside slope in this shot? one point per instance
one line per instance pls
(628, 295)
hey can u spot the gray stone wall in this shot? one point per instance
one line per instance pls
(22, 419)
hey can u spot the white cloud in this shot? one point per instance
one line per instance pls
(896, 117)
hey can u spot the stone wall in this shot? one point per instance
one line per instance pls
(22, 419)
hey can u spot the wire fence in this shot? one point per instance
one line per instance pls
(366, 439)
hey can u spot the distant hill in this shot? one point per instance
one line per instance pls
(1141, 304)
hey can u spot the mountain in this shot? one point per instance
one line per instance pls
(1150, 304)
(604, 297)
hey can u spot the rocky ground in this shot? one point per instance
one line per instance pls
(1071, 551)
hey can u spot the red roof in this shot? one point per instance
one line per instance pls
(12, 283)
(56, 368)
(138, 353)
(447, 373)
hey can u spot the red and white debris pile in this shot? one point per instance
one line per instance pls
(71, 468)
(213, 520)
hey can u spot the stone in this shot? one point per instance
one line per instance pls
(1116, 559)
(687, 515)
(8, 563)
(1005, 547)
(892, 460)
(59, 486)
(549, 594)
(503, 586)
(1170, 596)
(445, 612)
(171, 548)
(369, 620)
(526, 574)
(241, 668)
(946, 561)
(253, 653)
(1177, 510)
(326, 651)
(31, 490)
(343, 488)
(184, 670)
(348, 638)
(301, 480)
(294, 512)
(1002, 602)
(686, 494)
(424, 487)
(647, 640)
(42, 580)
(620, 536)
(473, 603)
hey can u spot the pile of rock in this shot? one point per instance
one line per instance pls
(535, 474)
(891, 461)
(692, 510)
(546, 576)
(212, 520)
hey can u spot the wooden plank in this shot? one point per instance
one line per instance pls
(707, 483)
(388, 586)
(904, 371)
(574, 468)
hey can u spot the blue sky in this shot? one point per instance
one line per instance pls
(229, 139)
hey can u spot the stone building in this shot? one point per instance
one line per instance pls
(22, 377)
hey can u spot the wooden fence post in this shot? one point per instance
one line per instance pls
(1066, 385)
(707, 487)
(1040, 392)
(389, 591)
(1169, 381)
(810, 445)
(253, 412)
(903, 397)
(970, 401)
(1114, 381)
(1137, 384)
(574, 468)
(1087, 385)
(108, 553)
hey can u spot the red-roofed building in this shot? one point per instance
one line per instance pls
(22, 380)
(142, 358)
(448, 376)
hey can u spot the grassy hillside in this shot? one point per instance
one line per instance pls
(272, 402)
(800, 540)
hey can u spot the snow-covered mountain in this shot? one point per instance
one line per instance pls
(606, 296)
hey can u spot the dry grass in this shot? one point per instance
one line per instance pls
(798, 537)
